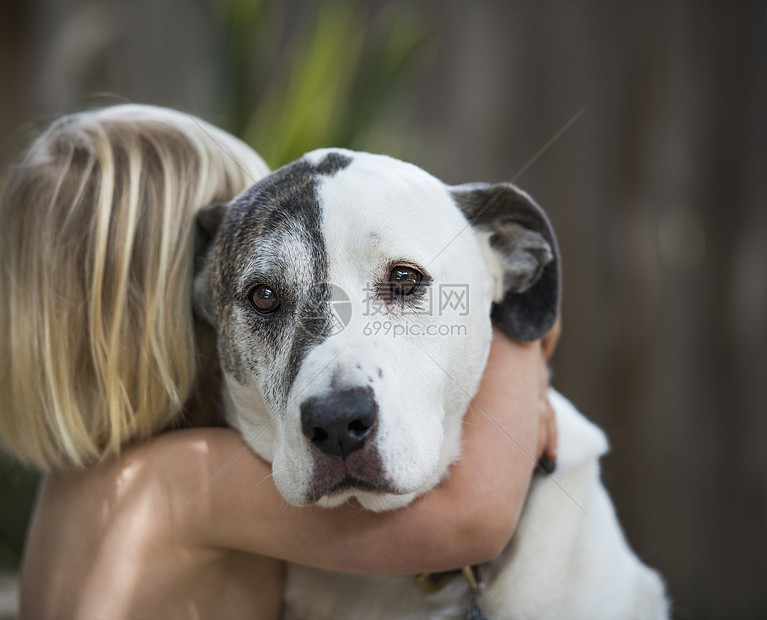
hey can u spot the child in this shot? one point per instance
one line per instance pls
(99, 349)
(98, 341)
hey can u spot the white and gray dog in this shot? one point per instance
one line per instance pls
(352, 295)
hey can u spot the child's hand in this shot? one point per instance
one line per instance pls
(547, 433)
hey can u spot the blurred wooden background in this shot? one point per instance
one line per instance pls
(658, 191)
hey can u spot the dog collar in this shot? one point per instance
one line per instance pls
(434, 582)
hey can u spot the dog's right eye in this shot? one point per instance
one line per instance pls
(404, 280)
(264, 299)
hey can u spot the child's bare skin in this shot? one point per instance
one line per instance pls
(122, 540)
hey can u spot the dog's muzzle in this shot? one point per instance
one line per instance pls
(340, 422)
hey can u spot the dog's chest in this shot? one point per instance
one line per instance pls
(312, 594)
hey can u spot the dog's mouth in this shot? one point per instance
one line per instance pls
(350, 483)
(361, 471)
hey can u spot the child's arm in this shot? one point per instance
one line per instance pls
(468, 519)
(124, 537)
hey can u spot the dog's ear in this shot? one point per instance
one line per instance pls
(207, 223)
(522, 241)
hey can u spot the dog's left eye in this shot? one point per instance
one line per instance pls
(404, 280)
(264, 299)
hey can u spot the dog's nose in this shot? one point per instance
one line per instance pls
(339, 422)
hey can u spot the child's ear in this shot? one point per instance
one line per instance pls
(207, 223)
(523, 242)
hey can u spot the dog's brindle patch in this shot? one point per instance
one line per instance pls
(283, 207)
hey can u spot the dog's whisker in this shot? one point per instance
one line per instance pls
(357, 508)
(265, 478)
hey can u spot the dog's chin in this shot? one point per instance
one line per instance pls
(375, 502)
(384, 502)
(369, 497)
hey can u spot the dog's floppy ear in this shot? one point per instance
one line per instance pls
(207, 223)
(523, 242)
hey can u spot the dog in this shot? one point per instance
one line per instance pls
(336, 286)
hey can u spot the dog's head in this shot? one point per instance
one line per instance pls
(352, 295)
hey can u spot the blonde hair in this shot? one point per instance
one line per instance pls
(97, 343)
